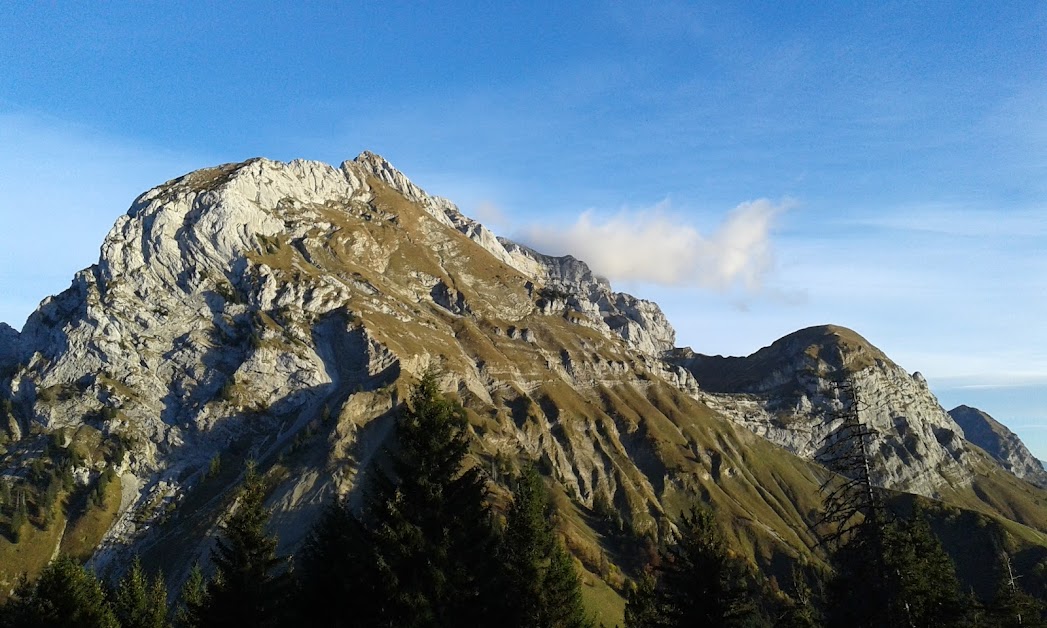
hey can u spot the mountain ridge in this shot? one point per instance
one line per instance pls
(277, 312)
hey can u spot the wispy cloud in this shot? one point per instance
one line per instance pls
(657, 246)
(952, 220)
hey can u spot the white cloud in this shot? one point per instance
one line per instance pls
(656, 246)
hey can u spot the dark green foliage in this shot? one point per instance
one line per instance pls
(337, 583)
(65, 595)
(542, 585)
(1012, 606)
(50, 499)
(641, 603)
(429, 522)
(699, 583)
(104, 478)
(192, 599)
(140, 602)
(424, 551)
(895, 573)
(799, 611)
(249, 587)
(19, 516)
(214, 467)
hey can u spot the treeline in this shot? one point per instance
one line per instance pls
(425, 550)
(892, 572)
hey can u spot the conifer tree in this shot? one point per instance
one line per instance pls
(699, 582)
(887, 572)
(800, 611)
(248, 587)
(642, 604)
(19, 517)
(337, 583)
(140, 602)
(192, 599)
(895, 573)
(1012, 607)
(430, 521)
(66, 595)
(423, 548)
(543, 589)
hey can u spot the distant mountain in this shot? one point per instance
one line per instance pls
(279, 312)
(1000, 442)
(785, 392)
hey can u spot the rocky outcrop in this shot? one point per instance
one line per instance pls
(999, 442)
(569, 284)
(787, 393)
(9, 346)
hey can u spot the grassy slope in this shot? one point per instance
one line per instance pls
(77, 538)
(85, 532)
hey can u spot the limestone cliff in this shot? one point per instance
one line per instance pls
(1000, 443)
(786, 392)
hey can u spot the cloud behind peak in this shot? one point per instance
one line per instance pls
(657, 246)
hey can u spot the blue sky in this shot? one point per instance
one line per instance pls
(759, 167)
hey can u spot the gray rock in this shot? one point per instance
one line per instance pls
(999, 442)
(786, 393)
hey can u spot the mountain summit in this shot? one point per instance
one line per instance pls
(276, 312)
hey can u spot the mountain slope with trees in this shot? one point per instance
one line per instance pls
(283, 314)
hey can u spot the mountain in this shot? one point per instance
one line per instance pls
(1001, 443)
(279, 312)
(786, 391)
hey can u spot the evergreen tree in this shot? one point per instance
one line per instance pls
(66, 595)
(544, 587)
(642, 604)
(895, 573)
(247, 587)
(430, 521)
(19, 517)
(192, 599)
(1012, 607)
(700, 583)
(800, 611)
(337, 584)
(140, 602)
(423, 550)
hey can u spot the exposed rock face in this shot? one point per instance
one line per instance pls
(1000, 443)
(786, 392)
(244, 303)
(571, 285)
(277, 312)
(9, 346)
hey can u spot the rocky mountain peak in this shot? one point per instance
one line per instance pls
(999, 442)
(819, 350)
(788, 393)
(245, 249)
(277, 312)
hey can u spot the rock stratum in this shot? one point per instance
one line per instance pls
(278, 312)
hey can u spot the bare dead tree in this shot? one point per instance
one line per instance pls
(850, 496)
